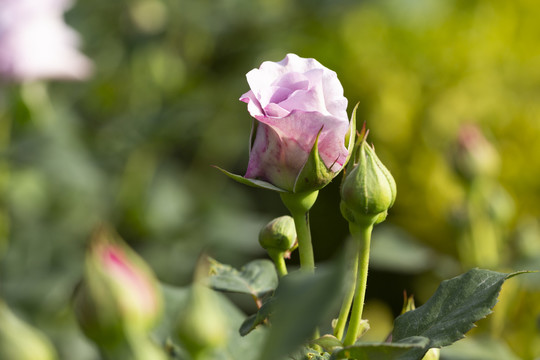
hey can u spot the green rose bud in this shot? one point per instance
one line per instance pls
(279, 235)
(201, 325)
(19, 341)
(368, 190)
(119, 296)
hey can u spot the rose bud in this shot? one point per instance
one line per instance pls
(368, 190)
(19, 341)
(36, 43)
(301, 136)
(201, 326)
(279, 235)
(119, 294)
(473, 155)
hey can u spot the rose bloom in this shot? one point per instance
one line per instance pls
(294, 101)
(35, 43)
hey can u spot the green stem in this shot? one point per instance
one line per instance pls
(299, 205)
(279, 261)
(349, 295)
(362, 234)
(305, 247)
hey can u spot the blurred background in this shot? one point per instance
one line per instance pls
(445, 87)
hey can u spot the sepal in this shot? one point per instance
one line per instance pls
(251, 182)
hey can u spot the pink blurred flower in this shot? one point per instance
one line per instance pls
(119, 293)
(295, 100)
(36, 43)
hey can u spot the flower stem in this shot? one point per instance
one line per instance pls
(299, 205)
(279, 261)
(349, 295)
(362, 234)
(305, 248)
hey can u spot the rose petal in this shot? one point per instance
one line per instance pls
(254, 107)
(302, 128)
(274, 159)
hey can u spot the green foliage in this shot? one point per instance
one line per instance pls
(380, 351)
(259, 317)
(452, 311)
(256, 278)
(302, 302)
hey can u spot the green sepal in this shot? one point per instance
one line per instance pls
(251, 182)
(314, 174)
(328, 342)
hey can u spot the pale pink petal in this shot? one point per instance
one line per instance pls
(254, 107)
(302, 128)
(275, 159)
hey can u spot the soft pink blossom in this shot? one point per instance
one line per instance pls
(294, 100)
(138, 289)
(36, 43)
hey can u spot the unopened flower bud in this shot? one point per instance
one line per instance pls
(473, 155)
(368, 190)
(19, 341)
(119, 293)
(279, 235)
(201, 325)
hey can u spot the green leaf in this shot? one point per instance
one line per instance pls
(251, 182)
(258, 318)
(303, 300)
(256, 278)
(452, 311)
(380, 351)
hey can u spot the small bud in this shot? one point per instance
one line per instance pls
(119, 294)
(473, 155)
(19, 341)
(408, 303)
(201, 324)
(279, 235)
(368, 190)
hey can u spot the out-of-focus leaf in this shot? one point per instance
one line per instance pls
(478, 348)
(452, 311)
(256, 278)
(395, 250)
(380, 351)
(303, 300)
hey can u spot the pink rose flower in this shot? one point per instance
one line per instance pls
(35, 42)
(296, 101)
